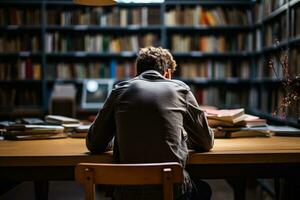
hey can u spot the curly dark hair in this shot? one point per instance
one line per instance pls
(155, 58)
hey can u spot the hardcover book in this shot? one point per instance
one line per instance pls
(227, 115)
(58, 119)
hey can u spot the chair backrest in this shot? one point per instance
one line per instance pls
(165, 174)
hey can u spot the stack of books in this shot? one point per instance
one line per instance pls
(73, 127)
(69, 124)
(230, 123)
(31, 132)
(80, 131)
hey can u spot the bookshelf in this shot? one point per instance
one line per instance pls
(278, 30)
(21, 58)
(197, 35)
(44, 42)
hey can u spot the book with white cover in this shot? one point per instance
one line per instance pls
(58, 119)
(284, 130)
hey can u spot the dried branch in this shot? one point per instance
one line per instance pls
(291, 86)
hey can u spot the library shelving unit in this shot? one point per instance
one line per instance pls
(222, 48)
(277, 25)
(21, 59)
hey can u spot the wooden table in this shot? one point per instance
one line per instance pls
(42, 160)
(275, 151)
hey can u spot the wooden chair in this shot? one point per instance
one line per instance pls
(166, 174)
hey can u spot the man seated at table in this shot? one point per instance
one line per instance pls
(152, 119)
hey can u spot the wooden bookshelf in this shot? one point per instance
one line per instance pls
(221, 56)
(278, 23)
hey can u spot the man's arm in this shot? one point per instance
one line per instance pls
(200, 135)
(103, 129)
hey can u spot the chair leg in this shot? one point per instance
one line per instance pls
(239, 188)
(89, 191)
(167, 184)
(41, 190)
(89, 187)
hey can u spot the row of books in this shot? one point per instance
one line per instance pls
(215, 69)
(56, 42)
(53, 126)
(257, 40)
(15, 43)
(20, 70)
(241, 69)
(271, 5)
(223, 95)
(116, 16)
(263, 69)
(20, 16)
(294, 61)
(73, 71)
(257, 12)
(275, 31)
(19, 97)
(296, 24)
(272, 101)
(29, 69)
(199, 15)
(212, 44)
(187, 69)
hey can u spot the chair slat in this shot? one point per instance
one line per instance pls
(165, 174)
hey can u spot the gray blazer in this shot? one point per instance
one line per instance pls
(152, 119)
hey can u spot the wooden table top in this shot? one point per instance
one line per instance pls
(70, 151)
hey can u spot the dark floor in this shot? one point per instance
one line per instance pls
(68, 190)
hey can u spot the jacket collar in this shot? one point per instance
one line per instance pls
(151, 75)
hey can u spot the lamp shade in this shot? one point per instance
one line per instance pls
(95, 2)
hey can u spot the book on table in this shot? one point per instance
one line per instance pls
(80, 131)
(35, 136)
(233, 117)
(30, 131)
(30, 128)
(284, 130)
(226, 115)
(68, 123)
(252, 121)
(58, 119)
(237, 132)
(231, 123)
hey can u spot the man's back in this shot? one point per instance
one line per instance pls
(149, 114)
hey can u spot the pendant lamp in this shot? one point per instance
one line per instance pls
(95, 2)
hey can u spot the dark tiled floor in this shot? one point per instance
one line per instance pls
(68, 190)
